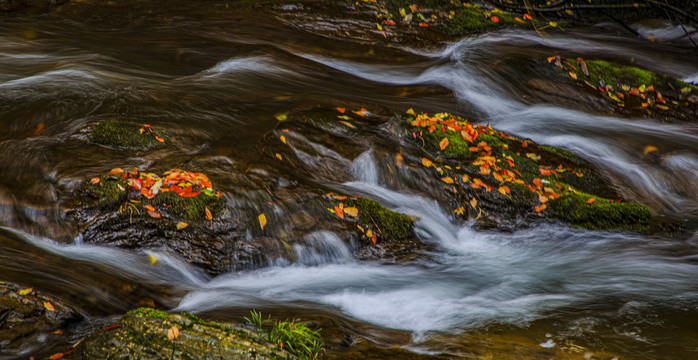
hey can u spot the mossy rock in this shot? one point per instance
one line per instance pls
(602, 214)
(506, 177)
(388, 225)
(143, 334)
(129, 136)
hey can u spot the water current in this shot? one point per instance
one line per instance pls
(218, 77)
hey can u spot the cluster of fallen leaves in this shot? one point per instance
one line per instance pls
(496, 168)
(148, 130)
(647, 95)
(184, 183)
(345, 212)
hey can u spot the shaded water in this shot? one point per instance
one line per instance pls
(215, 76)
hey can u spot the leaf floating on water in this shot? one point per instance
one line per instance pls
(95, 180)
(351, 211)
(173, 332)
(591, 200)
(152, 259)
(262, 221)
(281, 116)
(49, 306)
(283, 139)
(443, 143)
(339, 212)
(649, 148)
(426, 162)
(181, 225)
(25, 291)
(209, 216)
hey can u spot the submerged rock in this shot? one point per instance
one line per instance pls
(146, 333)
(28, 317)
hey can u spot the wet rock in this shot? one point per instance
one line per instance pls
(143, 333)
(28, 318)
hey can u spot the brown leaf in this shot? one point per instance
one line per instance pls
(473, 203)
(583, 65)
(443, 143)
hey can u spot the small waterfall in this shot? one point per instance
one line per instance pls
(364, 168)
(322, 247)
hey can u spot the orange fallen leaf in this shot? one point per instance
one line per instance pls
(95, 180)
(399, 160)
(573, 75)
(339, 197)
(591, 200)
(542, 199)
(519, 19)
(262, 220)
(149, 207)
(341, 110)
(447, 180)
(209, 216)
(473, 203)
(544, 172)
(116, 171)
(278, 156)
(154, 214)
(389, 22)
(504, 190)
(494, 19)
(374, 239)
(649, 148)
(159, 139)
(538, 182)
(351, 211)
(540, 208)
(339, 212)
(423, 24)
(49, 306)
(443, 143)
(413, 7)
(426, 162)
(56, 356)
(527, 16)
(173, 332)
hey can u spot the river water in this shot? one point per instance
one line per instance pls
(216, 75)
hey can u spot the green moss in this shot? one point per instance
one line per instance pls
(602, 214)
(562, 153)
(127, 136)
(390, 224)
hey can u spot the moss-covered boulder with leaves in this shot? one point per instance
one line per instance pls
(493, 175)
(146, 333)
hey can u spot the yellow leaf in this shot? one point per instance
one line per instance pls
(369, 233)
(411, 112)
(466, 178)
(542, 199)
(262, 221)
(459, 211)
(399, 160)
(181, 225)
(504, 190)
(573, 75)
(209, 216)
(278, 156)
(426, 162)
(152, 259)
(649, 148)
(283, 139)
(352, 211)
(473, 202)
(173, 332)
(49, 306)
(447, 180)
(25, 291)
(281, 116)
(443, 143)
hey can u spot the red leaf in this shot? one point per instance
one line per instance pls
(494, 19)
(389, 22)
(135, 183)
(544, 172)
(537, 182)
(341, 110)
(113, 327)
(423, 25)
(188, 194)
(339, 212)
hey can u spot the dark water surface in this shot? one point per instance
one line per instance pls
(214, 75)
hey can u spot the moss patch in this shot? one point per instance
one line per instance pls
(143, 333)
(602, 214)
(129, 136)
(373, 218)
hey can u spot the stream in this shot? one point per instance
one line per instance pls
(215, 76)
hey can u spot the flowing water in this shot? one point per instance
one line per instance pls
(216, 76)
